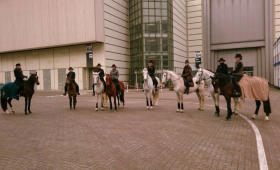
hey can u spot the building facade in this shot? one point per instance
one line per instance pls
(49, 36)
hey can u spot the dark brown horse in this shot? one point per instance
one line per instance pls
(224, 83)
(10, 89)
(111, 91)
(72, 93)
(29, 91)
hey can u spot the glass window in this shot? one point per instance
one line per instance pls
(164, 44)
(152, 28)
(152, 44)
(164, 27)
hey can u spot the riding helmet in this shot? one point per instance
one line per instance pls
(150, 61)
(114, 65)
(221, 59)
(98, 64)
(187, 61)
(238, 56)
(18, 64)
(70, 68)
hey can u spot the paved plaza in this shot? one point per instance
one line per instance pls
(54, 137)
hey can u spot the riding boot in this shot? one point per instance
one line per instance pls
(65, 89)
(187, 90)
(236, 88)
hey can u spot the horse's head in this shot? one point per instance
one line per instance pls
(145, 74)
(199, 76)
(96, 78)
(34, 78)
(165, 77)
(108, 80)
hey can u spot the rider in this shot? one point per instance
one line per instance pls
(101, 76)
(151, 72)
(115, 77)
(222, 68)
(237, 75)
(187, 76)
(72, 75)
(19, 79)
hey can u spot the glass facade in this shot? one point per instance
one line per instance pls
(151, 36)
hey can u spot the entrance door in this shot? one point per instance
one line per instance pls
(90, 80)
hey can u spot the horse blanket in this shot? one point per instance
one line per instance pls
(9, 89)
(254, 88)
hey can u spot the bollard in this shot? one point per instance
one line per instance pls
(127, 88)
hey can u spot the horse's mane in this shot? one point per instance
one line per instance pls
(172, 73)
(208, 71)
(223, 76)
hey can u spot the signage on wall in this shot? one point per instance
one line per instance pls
(89, 54)
(198, 59)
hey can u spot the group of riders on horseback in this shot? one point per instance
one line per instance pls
(186, 74)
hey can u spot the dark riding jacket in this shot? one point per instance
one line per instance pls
(19, 76)
(151, 71)
(187, 73)
(101, 74)
(239, 68)
(114, 74)
(222, 68)
(72, 75)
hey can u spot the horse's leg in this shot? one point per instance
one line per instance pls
(229, 111)
(70, 102)
(74, 101)
(118, 98)
(182, 103)
(111, 107)
(115, 103)
(10, 104)
(29, 103)
(236, 105)
(178, 102)
(258, 104)
(216, 98)
(97, 98)
(102, 101)
(25, 108)
(267, 109)
(151, 102)
(147, 101)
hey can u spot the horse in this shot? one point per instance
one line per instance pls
(111, 91)
(205, 76)
(224, 83)
(72, 92)
(179, 88)
(99, 90)
(9, 92)
(149, 89)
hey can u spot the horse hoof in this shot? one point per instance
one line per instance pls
(217, 114)
(254, 116)
(235, 114)
(151, 107)
(30, 112)
(228, 118)
(148, 108)
(177, 110)
(181, 111)
(7, 112)
(266, 118)
(102, 108)
(96, 109)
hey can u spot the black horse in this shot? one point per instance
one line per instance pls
(9, 91)
(224, 83)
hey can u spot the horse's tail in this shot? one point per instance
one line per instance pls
(3, 100)
(267, 107)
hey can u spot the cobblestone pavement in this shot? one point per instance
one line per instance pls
(53, 137)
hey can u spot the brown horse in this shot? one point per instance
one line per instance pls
(224, 83)
(72, 93)
(111, 91)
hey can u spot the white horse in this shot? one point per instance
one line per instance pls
(204, 75)
(99, 90)
(149, 89)
(179, 88)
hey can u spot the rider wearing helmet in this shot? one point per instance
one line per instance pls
(151, 71)
(222, 68)
(72, 75)
(101, 76)
(115, 77)
(19, 79)
(237, 75)
(187, 76)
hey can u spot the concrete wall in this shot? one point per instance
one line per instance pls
(194, 28)
(48, 61)
(116, 28)
(179, 34)
(32, 24)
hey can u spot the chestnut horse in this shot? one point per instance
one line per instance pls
(111, 91)
(72, 93)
